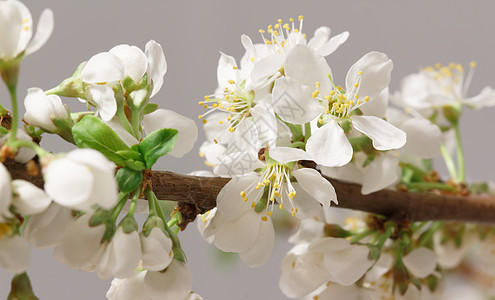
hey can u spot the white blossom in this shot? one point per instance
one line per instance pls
(41, 108)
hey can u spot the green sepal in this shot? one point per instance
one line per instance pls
(149, 108)
(346, 125)
(375, 252)
(152, 222)
(72, 86)
(109, 231)
(263, 202)
(128, 224)
(93, 133)
(64, 128)
(99, 217)
(139, 98)
(334, 230)
(128, 179)
(157, 144)
(21, 288)
(452, 113)
(3, 130)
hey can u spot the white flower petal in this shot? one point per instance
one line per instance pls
(329, 146)
(306, 66)
(378, 106)
(69, 184)
(14, 33)
(5, 193)
(238, 163)
(131, 288)
(320, 37)
(259, 253)
(309, 230)
(239, 234)
(338, 292)
(104, 100)
(421, 262)
(284, 155)
(173, 284)
(376, 68)
(226, 70)
(423, 137)
(103, 67)
(332, 45)
(229, 200)
(267, 67)
(14, 254)
(43, 32)
(266, 125)
(293, 101)
(164, 118)
(29, 199)
(384, 135)
(133, 59)
(315, 185)
(156, 250)
(486, 98)
(307, 206)
(157, 65)
(382, 172)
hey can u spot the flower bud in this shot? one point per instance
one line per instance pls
(42, 108)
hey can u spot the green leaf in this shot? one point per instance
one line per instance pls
(157, 144)
(149, 108)
(92, 133)
(134, 159)
(128, 179)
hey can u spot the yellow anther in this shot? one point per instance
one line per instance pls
(320, 121)
(316, 297)
(205, 106)
(261, 31)
(245, 199)
(266, 182)
(293, 213)
(26, 28)
(215, 141)
(451, 65)
(341, 97)
(201, 154)
(332, 92)
(276, 186)
(472, 64)
(356, 96)
(200, 103)
(269, 213)
(360, 73)
(304, 35)
(243, 194)
(253, 205)
(438, 65)
(280, 21)
(229, 118)
(327, 111)
(286, 26)
(277, 194)
(429, 69)
(296, 30)
(264, 218)
(356, 84)
(315, 93)
(25, 20)
(231, 81)
(200, 116)
(231, 129)
(317, 84)
(293, 264)
(301, 18)
(276, 33)
(234, 67)
(270, 27)
(292, 194)
(276, 26)
(291, 19)
(281, 206)
(347, 104)
(459, 68)
(221, 106)
(232, 93)
(220, 122)
(205, 121)
(366, 99)
(207, 97)
(251, 59)
(214, 105)
(359, 102)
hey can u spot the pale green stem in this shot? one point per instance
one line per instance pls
(120, 205)
(135, 198)
(28, 144)
(307, 131)
(15, 112)
(449, 162)
(460, 154)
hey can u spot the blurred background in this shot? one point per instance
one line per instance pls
(413, 34)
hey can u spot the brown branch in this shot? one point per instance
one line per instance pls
(197, 194)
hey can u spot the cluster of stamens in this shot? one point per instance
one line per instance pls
(338, 103)
(283, 36)
(276, 179)
(452, 78)
(235, 102)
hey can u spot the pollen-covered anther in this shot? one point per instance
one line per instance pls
(472, 64)
(315, 93)
(366, 99)
(205, 121)
(231, 81)
(264, 218)
(292, 194)
(269, 213)
(253, 205)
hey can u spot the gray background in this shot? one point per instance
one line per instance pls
(412, 33)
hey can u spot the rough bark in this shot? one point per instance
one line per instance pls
(197, 194)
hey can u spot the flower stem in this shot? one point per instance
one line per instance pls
(460, 154)
(28, 144)
(135, 198)
(176, 248)
(449, 162)
(120, 205)
(307, 131)
(15, 112)
(362, 235)
(427, 236)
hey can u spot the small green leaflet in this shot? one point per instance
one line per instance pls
(157, 144)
